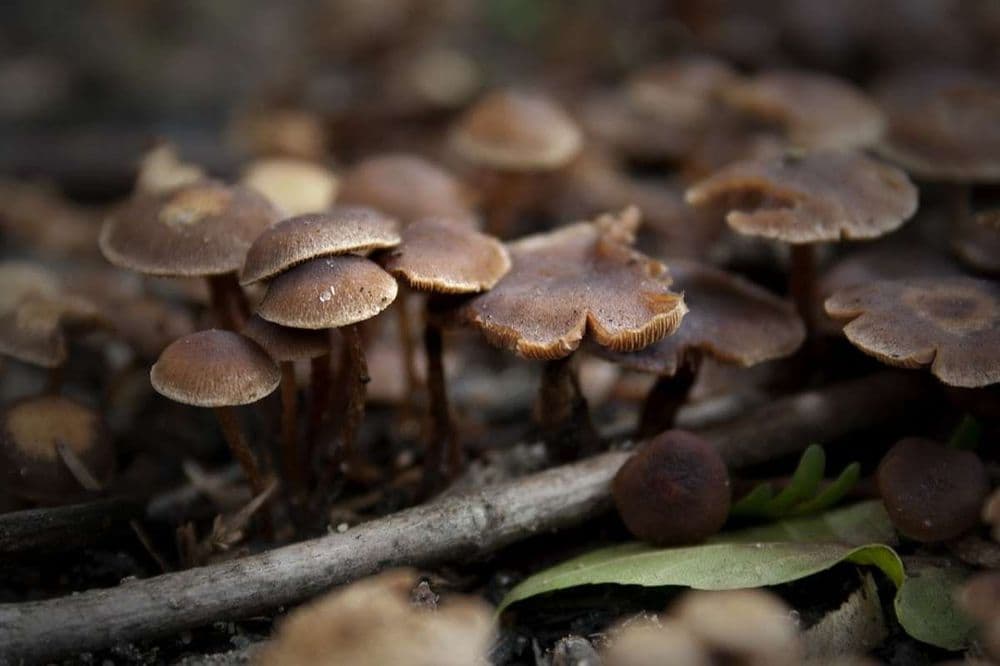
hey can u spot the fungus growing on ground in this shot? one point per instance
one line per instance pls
(951, 324)
(199, 230)
(444, 258)
(31, 434)
(680, 91)
(730, 320)
(580, 281)
(674, 490)
(977, 242)
(220, 370)
(819, 197)
(931, 492)
(514, 136)
(815, 111)
(295, 187)
(286, 346)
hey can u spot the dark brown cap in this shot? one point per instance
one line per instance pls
(949, 324)
(200, 229)
(816, 111)
(407, 187)
(328, 292)
(581, 279)
(287, 344)
(214, 369)
(730, 319)
(516, 130)
(443, 256)
(295, 187)
(931, 492)
(343, 230)
(30, 431)
(823, 196)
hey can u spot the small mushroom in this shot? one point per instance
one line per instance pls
(951, 324)
(32, 431)
(979, 600)
(280, 132)
(445, 258)
(580, 281)
(286, 346)
(804, 200)
(203, 229)
(161, 170)
(294, 186)
(220, 370)
(977, 242)
(682, 90)
(931, 492)
(674, 490)
(731, 320)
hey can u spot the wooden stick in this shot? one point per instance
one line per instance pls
(453, 528)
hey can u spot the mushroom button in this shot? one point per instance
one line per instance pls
(293, 186)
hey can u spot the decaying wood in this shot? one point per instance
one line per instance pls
(454, 528)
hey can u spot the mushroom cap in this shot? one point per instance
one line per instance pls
(214, 368)
(24, 279)
(823, 196)
(517, 130)
(610, 119)
(931, 492)
(161, 170)
(287, 344)
(328, 292)
(443, 256)
(731, 319)
(343, 230)
(31, 428)
(294, 186)
(680, 90)
(951, 324)
(674, 490)
(943, 124)
(195, 230)
(35, 331)
(977, 242)
(406, 187)
(579, 279)
(816, 111)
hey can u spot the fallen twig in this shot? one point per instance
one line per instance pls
(452, 529)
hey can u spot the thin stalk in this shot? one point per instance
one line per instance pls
(563, 414)
(405, 330)
(354, 413)
(444, 457)
(290, 458)
(319, 381)
(233, 432)
(228, 301)
(665, 399)
(802, 282)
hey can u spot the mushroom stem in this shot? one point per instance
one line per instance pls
(290, 458)
(444, 457)
(405, 328)
(319, 380)
(665, 399)
(802, 282)
(563, 414)
(228, 301)
(233, 432)
(354, 412)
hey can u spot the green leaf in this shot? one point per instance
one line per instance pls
(925, 609)
(833, 493)
(754, 502)
(761, 556)
(804, 482)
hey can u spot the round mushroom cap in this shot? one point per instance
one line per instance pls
(951, 324)
(731, 319)
(343, 230)
(161, 170)
(581, 279)
(214, 368)
(24, 279)
(943, 124)
(977, 242)
(823, 196)
(443, 256)
(35, 331)
(816, 111)
(30, 431)
(328, 292)
(294, 186)
(195, 230)
(674, 490)
(516, 130)
(285, 344)
(932, 492)
(681, 90)
(406, 187)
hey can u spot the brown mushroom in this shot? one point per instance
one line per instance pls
(220, 370)
(581, 280)
(731, 320)
(681, 90)
(674, 490)
(31, 434)
(446, 258)
(979, 600)
(951, 324)
(161, 170)
(977, 241)
(803, 200)
(294, 186)
(199, 230)
(286, 346)
(931, 492)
